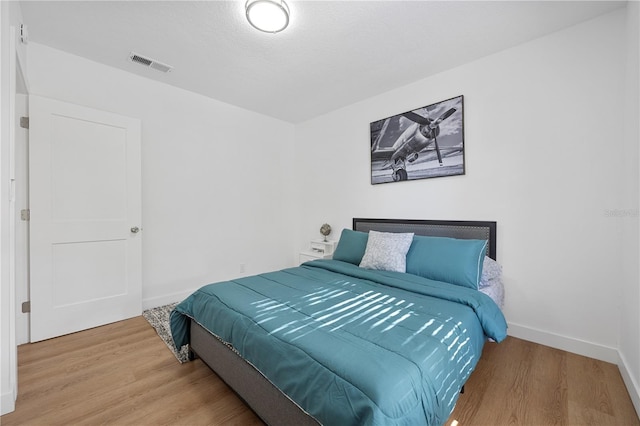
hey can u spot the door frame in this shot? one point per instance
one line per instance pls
(8, 255)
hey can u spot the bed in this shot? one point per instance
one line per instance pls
(331, 342)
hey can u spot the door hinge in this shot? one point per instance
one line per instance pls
(26, 307)
(25, 214)
(24, 122)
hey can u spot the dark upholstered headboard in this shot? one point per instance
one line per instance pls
(465, 229)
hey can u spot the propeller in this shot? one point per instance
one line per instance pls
(417, 118)
(425, 121)
(435, 140)
(435, 124)
(443, 117)
(432, 125)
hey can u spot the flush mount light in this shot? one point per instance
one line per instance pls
(270, 16)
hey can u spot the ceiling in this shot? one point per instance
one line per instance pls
(333, 53)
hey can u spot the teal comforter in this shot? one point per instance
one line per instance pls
(350, 345)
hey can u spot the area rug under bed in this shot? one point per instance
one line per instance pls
(159, 320)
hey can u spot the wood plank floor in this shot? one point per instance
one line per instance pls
(123, 374)
(522, 383)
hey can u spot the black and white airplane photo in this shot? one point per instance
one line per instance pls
(423, 143)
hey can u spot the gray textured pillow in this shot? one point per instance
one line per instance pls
(387, 251)
(491, 270)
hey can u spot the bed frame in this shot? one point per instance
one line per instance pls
(267, 401)
(464, 229)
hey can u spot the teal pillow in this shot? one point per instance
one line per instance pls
(452, 260)
(351, 246)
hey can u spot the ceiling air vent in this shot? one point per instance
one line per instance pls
(150, 63)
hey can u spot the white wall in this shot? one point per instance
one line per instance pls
(544, 157)
(216, 179)
(629, 343)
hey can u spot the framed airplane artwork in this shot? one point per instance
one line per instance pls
(423, 143)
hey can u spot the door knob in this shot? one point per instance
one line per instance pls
(135, 230)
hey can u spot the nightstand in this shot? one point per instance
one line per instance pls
(318, 249)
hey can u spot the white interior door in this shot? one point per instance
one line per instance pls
(85, 198)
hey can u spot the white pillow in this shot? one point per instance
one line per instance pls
(491, 270)
(386, 251)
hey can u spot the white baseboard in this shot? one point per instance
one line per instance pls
(632, 385)
(154, 302)
(569, 344)
(7, 403)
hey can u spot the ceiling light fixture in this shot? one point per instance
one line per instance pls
(270, 16)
